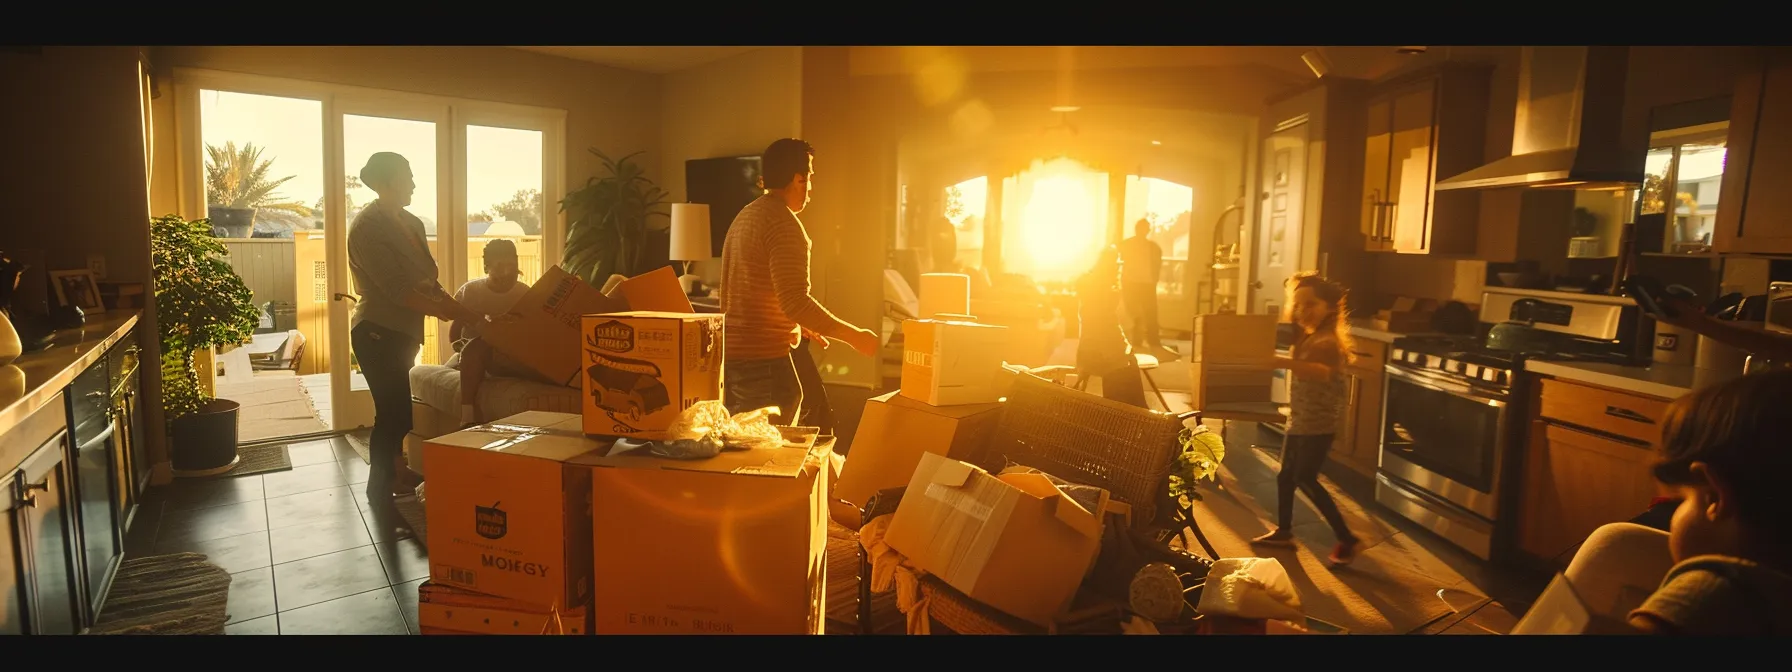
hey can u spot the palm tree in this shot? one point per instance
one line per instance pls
(238, 178)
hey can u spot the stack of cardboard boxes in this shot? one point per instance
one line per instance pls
(1015, 542)
(538, 523)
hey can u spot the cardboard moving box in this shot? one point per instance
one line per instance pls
(735, 544)
(947, 363)
(644, 368)
(1227, 338)
(446, 610)
(893, 433)
(546, 339)
(1014, 542)
(507, 515)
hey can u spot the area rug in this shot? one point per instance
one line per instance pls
(359, 442)
(272, 407)
(179, 594)
(260, 460)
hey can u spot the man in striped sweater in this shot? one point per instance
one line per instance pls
(765, 290)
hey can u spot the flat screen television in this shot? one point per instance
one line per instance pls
(726, 184)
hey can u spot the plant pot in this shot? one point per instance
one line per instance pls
(232, 222)
(204, 441)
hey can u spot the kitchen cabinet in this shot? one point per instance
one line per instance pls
(1358, 443)
(1587, 464)
(1421, 128)
(1757, 213)
(41, 581)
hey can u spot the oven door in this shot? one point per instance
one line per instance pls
(1444, 437)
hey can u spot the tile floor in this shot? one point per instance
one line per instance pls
(308, 557)
(305, 553)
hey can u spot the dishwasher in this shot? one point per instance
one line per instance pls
(101, 547)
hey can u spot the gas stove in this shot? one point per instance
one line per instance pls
(1470, 357)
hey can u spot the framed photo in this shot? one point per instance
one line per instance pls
(77, 288)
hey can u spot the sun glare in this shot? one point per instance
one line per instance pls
(1064, 222)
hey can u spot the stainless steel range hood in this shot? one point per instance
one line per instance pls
(1570, 112)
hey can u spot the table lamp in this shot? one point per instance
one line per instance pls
(690, 238)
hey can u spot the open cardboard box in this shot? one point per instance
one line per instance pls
(547, 341)
(1560, 610)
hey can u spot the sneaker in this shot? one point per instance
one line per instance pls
(1345, 552)
(1275, 538)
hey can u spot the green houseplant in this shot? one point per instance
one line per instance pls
(608, 221)
(201, 303)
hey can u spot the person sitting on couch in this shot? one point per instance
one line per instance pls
(493, 295)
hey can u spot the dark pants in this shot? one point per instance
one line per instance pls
(817, 412)
(1141, 304)
(751, 384)
(1302, 458)
(386, 357)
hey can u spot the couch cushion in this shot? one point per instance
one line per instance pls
(439, 388)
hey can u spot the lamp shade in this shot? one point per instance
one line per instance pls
(690, 232)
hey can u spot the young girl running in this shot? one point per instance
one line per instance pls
(1317, 399)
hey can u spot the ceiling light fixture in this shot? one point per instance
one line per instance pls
(1065, 108)
(1411, 51)
(1157, 142)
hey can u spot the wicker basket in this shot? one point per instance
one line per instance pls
(1086, 439)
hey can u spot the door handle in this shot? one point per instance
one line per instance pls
(339, 296)
(28, 498)
(1628, 414)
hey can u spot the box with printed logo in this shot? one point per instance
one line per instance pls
(644, 368)
(950, 362)
(507, 515)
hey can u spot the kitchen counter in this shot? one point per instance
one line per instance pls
(1361, 329)
(36, 378)
(1666, 381)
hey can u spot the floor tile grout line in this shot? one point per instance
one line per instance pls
(273, 577)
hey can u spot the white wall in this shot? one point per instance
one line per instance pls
(732, 107)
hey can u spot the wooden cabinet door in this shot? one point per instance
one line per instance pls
(1756, 215)
(1366, 419)
(12, 566)
(1575, 482)
(1375, 174)
(50, 533)
(1412, 156)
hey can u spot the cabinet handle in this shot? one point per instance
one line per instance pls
(1387, 234)
(1628, 414)
(28, 498)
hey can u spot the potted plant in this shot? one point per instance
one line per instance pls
(200, 303)
(608, 221)
(239, 187)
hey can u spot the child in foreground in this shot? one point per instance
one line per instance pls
(1724, 452)
(1317, 397)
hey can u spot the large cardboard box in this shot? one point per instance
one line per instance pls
(1230, 383)
(1014, 542)
(508, 516)
(1234, 339)
(642, 369)
(947, 363)
(546, 339)
(446, 610)
(893, 434)
(735, 544)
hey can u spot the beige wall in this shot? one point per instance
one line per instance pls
(613, 110)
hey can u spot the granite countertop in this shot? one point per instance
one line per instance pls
(1666, 381)
(35, 379)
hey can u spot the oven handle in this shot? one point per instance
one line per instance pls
(1438, 384)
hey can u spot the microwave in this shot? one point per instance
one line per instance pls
(1779, 307)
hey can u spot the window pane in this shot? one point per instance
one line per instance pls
(504, 197)
(362, 137)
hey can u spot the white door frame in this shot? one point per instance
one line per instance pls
(351, 408)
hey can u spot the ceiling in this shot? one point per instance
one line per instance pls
(656, 60)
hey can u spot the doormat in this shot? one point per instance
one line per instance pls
(178, 594)
(358, 442)
(260, 460)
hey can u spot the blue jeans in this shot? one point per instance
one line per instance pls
(751, 384)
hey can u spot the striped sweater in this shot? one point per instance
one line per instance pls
(765, 284)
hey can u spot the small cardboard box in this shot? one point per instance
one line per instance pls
(1014, 542)
(1561, 611)
(507, 515)
(948, 363)
(446, 610)
(735, 544)
(1229, 383)
(893, 433)
(642, 369)
(546, 339)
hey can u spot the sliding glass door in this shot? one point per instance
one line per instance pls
(484, 171)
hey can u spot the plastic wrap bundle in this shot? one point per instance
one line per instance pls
(705, 430)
